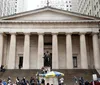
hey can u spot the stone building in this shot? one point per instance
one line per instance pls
(71, 39)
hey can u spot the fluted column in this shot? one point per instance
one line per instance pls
(54, 51)
(69, 61)
(12, 51)
(40, 50)
(1, 47)
(96, 51)
(26, 51)
(83, 51)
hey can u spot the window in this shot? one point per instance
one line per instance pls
(95, 7)
(99, 1)
(75, 61)
(66, 5)
(20, 62)
(90, 12)
(97, 4)
(97, 14)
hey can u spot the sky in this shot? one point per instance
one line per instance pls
(31, 4)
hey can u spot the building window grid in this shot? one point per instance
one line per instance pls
(99, 2)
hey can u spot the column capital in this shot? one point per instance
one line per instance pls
(27, 33)
(82, 33)
(68, 33)
(1, 32)
(54, 33)
(94, 33)
(13, 33)
(40, 33)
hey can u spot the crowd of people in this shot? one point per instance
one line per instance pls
(81, 81)
(23, 81)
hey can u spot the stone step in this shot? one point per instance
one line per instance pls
(68, 78)
(18, 73)
(98, 70)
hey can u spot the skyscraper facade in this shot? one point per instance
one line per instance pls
(74, 5)
(89, 7)
(61, 4)
(9, 7)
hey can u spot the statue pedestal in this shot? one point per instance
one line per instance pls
(53, 80)
(48, 69)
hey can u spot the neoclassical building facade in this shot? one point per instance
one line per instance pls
(71, 39)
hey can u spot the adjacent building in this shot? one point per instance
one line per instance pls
(61, 4)
(74, 5)
(89, 7)
(9, 7)
(70, 38)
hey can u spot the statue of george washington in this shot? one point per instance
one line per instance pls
(47, 59)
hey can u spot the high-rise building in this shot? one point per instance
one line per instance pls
(74, 5)
(9, 7)
(89, 7)
(21, 5)
(61, 4)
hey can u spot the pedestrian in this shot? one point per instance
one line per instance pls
(17, 81)
(1, 82)
(75, 80)
(82, 80)
(42, 82)
(4, 82)
(87, 83)
(62, 81)
(48, 84)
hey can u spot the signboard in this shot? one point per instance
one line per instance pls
(94, 77)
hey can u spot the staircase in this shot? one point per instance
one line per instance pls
(69, 74)
(86, 74)
(98, 70)
(18, 73)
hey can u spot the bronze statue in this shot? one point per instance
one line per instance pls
(47, 59)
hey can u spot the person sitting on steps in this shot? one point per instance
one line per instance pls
(2, 68)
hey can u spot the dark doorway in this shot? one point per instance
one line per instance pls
(75, 61)
(20, 62)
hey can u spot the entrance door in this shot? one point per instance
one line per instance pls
(75, 61)
(20, 62)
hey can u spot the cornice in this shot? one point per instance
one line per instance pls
(49, 22)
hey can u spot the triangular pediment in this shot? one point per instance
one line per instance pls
(48, 14)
